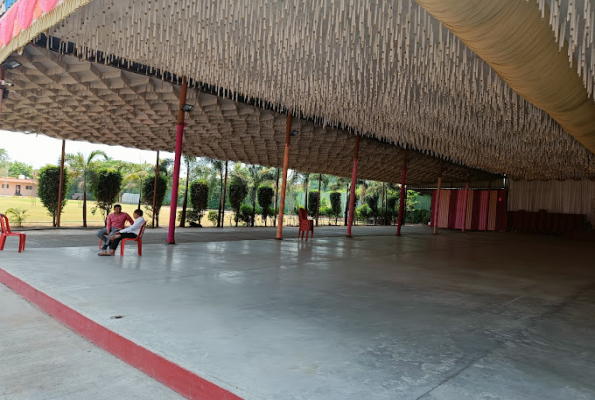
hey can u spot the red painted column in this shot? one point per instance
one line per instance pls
(353, 184)
(466, 204)
(437, 206)
(176, 177)
(284, 182)
(402, 195)
(60, 194)
(155, 188)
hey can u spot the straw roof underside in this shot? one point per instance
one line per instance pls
(64, 97)
(386, 68)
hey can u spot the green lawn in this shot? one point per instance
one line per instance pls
(72, 216)
(37, 214)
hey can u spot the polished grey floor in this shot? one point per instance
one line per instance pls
(453, 316)
(41, 359)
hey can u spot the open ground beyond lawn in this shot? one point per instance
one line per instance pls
(453, 316)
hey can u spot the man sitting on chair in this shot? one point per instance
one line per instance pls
(115, 222)
(127, 233)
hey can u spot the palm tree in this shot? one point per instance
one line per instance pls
(304, 179)
(83, 167)
(135, 175)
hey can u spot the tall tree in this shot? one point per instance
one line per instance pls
(134, 176)
(323, 182)
(219, 166)
(17, 168)
(302, 178)
(255, 180)
(238, 189)
(265, 199)
(199, 197)
(338, 185)
(224, 194)
(3, 155)
(189, 162)
(83, 167)
(257, 175)
(336, 205)
(148, 194)
(47, 190)
(107, 189)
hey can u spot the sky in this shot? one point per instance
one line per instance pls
(38, 150)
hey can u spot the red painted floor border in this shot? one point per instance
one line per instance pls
(185, 382)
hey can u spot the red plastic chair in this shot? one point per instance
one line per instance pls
(7, 232)
(306, 225)
(138, 240)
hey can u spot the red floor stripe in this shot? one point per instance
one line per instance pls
(171, 375)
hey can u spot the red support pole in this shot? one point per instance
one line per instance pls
(224, 196)
(353, 184)
(60, 194)
(155, 188)
(466, 204)
(437, 205)
(176, 178)
(402, 194)
(284, 182)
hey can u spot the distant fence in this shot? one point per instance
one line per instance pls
(130, 198)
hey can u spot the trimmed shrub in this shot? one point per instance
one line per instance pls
(106, 189)
(265, 200)
(49, 184)
(335, 205)
(238, 190)
(199, 198)
(245, 214)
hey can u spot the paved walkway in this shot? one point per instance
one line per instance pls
(41, 359)
(449, 317)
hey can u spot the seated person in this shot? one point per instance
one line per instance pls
(115, 222)
(127, 233)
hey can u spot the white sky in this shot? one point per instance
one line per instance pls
(39, 150)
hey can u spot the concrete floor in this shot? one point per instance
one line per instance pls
(453, 316)
(70, 237)
(41, 359)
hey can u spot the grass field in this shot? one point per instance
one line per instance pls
(72, 216)
(37, 214)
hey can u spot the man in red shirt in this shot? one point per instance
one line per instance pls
(115, 222)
